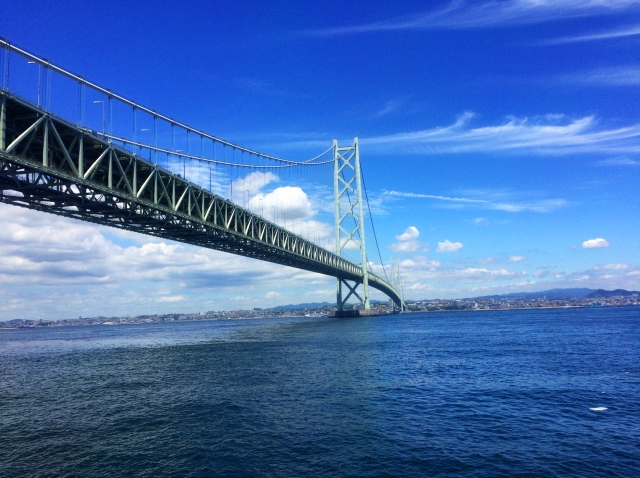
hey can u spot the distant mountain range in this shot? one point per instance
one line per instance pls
(552, 294)
(560, 294)
(307, 305)
(612, 293)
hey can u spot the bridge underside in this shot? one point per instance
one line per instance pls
(53, 166)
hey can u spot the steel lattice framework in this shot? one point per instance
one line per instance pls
(52, 165)
(348, 206)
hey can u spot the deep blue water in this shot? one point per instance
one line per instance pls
(440, 394)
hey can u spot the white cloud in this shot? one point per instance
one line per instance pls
(251, 184)
(420, 262)
(172, 298)
(448, 246)
(481, 273)
(488, 260)
(464, 15)
(430, 196)
(545, 205)
(326, 294)
(500, 201)
(551, 134)
(418, 286)
(595, 243)
(273, 295)
(608, 35)
(407, 246)
(54, 267)
(409, 234)
(618, 162)
(612, 267)
(619, 76)
(283, 205)
(517, 258)
(407, 241)
(392, 106)
(481, 221)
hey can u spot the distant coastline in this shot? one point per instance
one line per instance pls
(510, 302)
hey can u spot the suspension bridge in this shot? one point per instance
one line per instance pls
(126, 166)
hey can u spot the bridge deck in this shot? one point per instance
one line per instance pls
(52, 165)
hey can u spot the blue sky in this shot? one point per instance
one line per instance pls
(500, 142)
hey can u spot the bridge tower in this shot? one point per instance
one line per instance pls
(396, 281)
(349, 217)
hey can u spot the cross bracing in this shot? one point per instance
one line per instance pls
(52, 165)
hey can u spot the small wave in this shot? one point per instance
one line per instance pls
(598, 409)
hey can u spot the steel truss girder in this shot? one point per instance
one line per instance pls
(54, 166)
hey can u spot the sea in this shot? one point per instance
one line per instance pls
(530, 393)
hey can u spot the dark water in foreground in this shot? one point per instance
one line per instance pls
(463, 394)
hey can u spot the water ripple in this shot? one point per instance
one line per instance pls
(531, 393)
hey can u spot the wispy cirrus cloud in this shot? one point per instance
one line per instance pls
(617, 76)
(552, 134)
(618, 162)
(546, 135)
(608, 35)
(431, 196)
(487, 200)
(392, 106)
(465, 15)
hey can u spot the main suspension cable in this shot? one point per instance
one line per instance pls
(366, 195)
(288, 163)
(51, 67)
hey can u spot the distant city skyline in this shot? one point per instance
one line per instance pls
(500, 143)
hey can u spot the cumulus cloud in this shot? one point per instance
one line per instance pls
(273, 295)
(54, 267)
(517, 258)
(448, 246)
(409, 234)
(595, 243)
(283, 204)
(406, 246)
(251, 184)
(408, 241)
